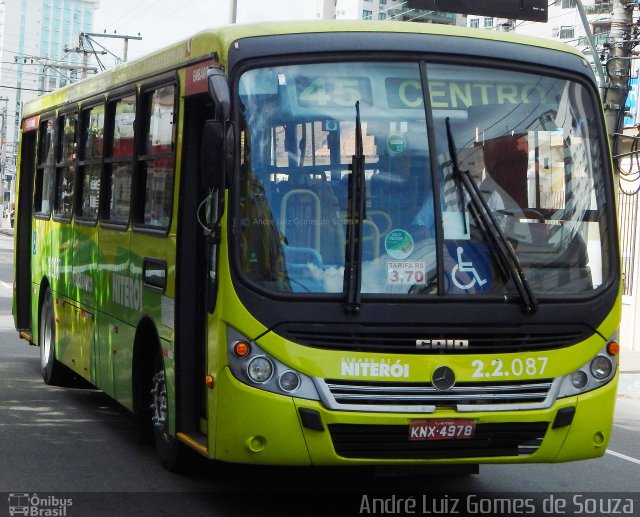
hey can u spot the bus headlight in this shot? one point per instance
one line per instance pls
(289, 381)
(255, 367)
(260, 369)
(592, 375)
(601, 367)
(579, 379)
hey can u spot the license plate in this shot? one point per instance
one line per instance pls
(442, 429)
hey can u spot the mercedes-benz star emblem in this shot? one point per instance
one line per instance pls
(443, 378)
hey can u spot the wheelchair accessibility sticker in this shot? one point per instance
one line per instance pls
(468, 266)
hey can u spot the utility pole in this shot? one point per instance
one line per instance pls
(126, 38)
(233, 11)
(3, 141)
(618, 69)
(592, 45)
(85, 55)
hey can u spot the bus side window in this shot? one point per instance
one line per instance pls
(46, 170)
(90, 151)
(119, 161)
(155, 176)
(66, 167)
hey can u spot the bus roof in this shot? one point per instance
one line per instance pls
(217, 41)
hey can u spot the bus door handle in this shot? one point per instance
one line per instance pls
(154, 273)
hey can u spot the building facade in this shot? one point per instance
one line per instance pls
(565, 24)
(39, 47)
(386, 10)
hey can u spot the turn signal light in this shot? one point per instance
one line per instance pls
(613, 348)
(241, 349)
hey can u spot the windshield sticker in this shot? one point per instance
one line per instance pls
(396, 144)
(468, 266)
(406, 272)
(398, 244)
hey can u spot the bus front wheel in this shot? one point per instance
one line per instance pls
(170, 451)
(49, 365)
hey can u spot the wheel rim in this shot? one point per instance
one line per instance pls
(159, 404)
(47, 336)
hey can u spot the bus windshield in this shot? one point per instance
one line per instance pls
(531, 143)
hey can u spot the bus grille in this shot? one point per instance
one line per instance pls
(423, 397)
(403, 339)
(391, 442)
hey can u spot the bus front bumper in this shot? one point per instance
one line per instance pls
(258, 427)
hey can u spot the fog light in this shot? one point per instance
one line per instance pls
(260, 369)
(289, 381)
(579, 379)
(601, 367)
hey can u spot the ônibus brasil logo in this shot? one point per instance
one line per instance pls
(34, 505)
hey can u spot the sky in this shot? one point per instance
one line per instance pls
(161, 22)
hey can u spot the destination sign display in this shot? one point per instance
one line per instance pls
(406, 93)
(463, 94)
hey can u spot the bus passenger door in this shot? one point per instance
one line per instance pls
(191, 275)
(23, 231)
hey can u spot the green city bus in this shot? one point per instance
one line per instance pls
(330, 243)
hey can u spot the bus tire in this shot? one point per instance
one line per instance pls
(52, 370)
(170, 451)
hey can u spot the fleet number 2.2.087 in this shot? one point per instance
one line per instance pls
(529, 366)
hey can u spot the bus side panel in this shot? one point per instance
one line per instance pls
(152, 271)
(152, 268)
(86, 282)
(75, 328)
(108, 335)
(65, 241)
(42, 268)
(114, 295)
(119, 353)
(74, 323)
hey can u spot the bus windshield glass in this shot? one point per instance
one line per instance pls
(530, 142)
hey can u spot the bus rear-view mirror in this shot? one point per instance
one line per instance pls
(219, 92)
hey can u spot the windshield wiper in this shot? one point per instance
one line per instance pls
(355, 217)
(500, 245)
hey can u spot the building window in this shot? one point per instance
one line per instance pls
(382, 16)
(488, 22)
(568, 4)
(474, 22)
(602, 34)
(566, 32)
(366, 15)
